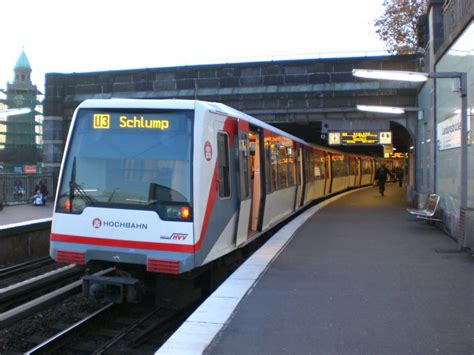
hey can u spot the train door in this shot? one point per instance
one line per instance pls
(329, 173)
(355, 171)
(299, 177)
(359, 171)
(244, 199)
(256, 170)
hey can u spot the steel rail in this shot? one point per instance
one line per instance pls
(15, 269)
(59, 339)
(26, 287)
(24, 310)
(125, 332)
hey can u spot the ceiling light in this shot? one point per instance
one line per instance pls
(381, 109)
(390, 75)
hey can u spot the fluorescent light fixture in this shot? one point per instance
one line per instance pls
(458, 111)
(381, 109)
(390, 75)
(15, 111)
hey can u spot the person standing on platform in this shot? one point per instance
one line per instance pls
(399, 174)
(381, 177)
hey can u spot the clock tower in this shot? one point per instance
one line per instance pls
(21, 143)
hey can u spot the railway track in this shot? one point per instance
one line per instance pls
(23, 291)
(25, 269)
(116, 329)
(24, 299)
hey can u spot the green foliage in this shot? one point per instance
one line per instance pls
(397, 25)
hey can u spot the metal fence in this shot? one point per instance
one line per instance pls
(16, 189)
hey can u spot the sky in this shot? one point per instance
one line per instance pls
(82, 36)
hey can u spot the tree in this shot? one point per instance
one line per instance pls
(397, 25)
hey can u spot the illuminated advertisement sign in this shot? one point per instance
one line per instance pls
(397, 155)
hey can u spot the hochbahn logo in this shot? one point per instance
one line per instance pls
(98, 223)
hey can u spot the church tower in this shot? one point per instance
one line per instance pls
(21, 143)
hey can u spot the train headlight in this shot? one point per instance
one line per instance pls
(178, 212)
(173, 212)
(185, 212)
(66, 205)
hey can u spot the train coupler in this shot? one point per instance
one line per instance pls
(115, 289)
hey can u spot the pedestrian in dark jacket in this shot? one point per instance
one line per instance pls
(41, 194)
(399, 174)
(381, 177)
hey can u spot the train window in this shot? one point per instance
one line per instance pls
(298, 166)
(291, 165)
(307, 165)
(268, 166)
(244, 165)
(274, 160)
(223, 166)
(339, 166)
(318, 170)
(367, 167)
(283, 167)
(310, 166)
(315, 170)
(322, 165)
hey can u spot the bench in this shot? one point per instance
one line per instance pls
(429, 212)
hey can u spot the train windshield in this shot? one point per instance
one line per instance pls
(129, 159)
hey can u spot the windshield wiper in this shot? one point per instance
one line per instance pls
(112, 194)
(76, 190)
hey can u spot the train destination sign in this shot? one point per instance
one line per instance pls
(359, 138)
(103, 121)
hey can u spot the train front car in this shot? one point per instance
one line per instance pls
(125, 191)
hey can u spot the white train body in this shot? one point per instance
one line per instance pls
(174, 184)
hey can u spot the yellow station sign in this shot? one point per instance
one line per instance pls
(359, 138)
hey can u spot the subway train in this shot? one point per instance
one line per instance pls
(171, 185)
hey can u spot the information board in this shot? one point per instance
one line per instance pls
(359, 138)
(363, 138)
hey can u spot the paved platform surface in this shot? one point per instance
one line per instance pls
(23, 213)
(361, 276)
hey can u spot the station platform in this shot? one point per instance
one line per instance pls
(359, 276)
(12, 215)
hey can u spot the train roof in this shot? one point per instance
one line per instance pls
(181, 104)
